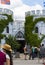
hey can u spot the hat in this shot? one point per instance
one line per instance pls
(7, 47)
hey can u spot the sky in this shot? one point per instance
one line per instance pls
(26, 5)
(33, 2)
(19, 7)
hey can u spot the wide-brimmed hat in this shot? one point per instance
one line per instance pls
(7, 47)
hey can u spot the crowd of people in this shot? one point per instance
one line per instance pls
(34, 52)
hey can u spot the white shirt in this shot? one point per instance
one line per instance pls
(7, 56)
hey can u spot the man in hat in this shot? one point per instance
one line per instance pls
(2, 57)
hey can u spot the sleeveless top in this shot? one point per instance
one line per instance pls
(2, 58)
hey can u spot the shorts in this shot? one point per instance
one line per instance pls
(41, 55)
(25, 53)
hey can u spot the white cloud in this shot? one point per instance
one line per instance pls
(19, 8)
(36, 7)
(13, 4)
(16, 3)
(20, 11)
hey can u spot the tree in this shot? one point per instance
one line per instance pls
(12, 42)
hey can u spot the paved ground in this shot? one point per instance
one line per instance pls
(21, 61)
(26, 62)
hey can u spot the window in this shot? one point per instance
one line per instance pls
(11, 23)
(36, 29)
(38, 11)
(7, 29)
(43, 12)
(27, 13)
(33, 12)
(0, 9)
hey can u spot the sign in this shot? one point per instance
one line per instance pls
(5, 2)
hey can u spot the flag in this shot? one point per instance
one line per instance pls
(5, 2)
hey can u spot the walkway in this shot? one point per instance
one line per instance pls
(21, 61)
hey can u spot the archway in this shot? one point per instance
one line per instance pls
(21, 41)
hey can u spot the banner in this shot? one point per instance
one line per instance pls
(5, 2)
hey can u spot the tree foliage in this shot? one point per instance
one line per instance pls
(12, 42)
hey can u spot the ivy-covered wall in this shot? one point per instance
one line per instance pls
(4, 23)
(32, 38)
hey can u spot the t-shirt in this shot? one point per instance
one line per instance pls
(42, 50)
(33, 49)
(2, 58)
(7, 56)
